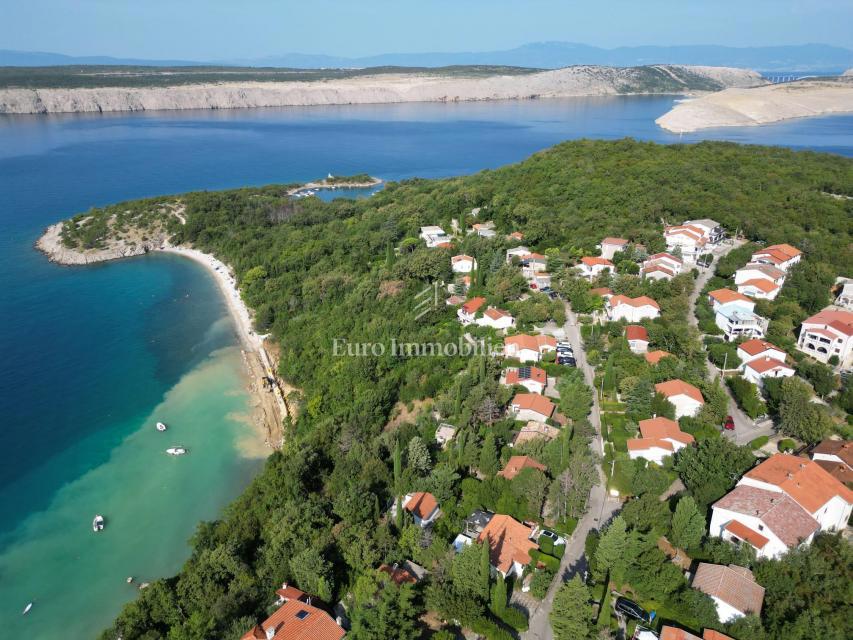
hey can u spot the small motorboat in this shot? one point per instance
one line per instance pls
(161, 426)
(176, 451)
(27, 609)
(98, 524)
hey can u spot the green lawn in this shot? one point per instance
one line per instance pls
(616, 431)
(622, 474)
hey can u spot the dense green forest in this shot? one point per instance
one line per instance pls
(349, 270)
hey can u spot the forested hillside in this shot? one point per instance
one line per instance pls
(315, 272)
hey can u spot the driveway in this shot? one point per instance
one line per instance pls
(601, 506)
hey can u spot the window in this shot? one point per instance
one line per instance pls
(761, 527)
(302, 614)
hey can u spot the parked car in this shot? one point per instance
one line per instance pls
(729, 424)
(630, 609)
(567, 361)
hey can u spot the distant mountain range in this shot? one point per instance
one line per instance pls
(807, 58)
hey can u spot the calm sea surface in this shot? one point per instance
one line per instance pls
(91, 357)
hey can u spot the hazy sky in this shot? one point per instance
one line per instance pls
(222, 29)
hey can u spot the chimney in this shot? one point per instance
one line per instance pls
(270, 632)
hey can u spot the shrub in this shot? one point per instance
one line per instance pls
(786, 444)
(512, 617)
(541, 581)
(546, 545)
(550, 562)
(492, 631)
(759, 442)
(746, 394)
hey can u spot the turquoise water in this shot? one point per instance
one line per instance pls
(92, 356)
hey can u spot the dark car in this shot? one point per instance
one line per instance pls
(729, 424)
(567, 361)
(630, 609)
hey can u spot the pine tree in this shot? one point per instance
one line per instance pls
(398, 518)
(499, 594)
(419, 458)
(489, 456)
(398, 466)
(688, 525)
(389, 256)
(485, 567)
(610, 555)
(571, 613)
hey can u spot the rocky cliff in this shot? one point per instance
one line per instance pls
(386, 88)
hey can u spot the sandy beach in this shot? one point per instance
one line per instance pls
(738, 107)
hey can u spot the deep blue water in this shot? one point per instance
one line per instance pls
(86, 348)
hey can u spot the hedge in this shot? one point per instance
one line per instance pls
(551, 563)
(512, 617)
(759, 442)
(787, 444)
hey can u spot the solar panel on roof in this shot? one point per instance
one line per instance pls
(302, 614)
(524, 372)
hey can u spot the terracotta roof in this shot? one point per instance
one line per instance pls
(734, 585)
(838, 319)
(617, 241)
(534, 343)
(653, 357)
(838, 470)
(644, 444)
(296, 620)
(421, 504)
(516, 235)
(443, 245)
(755, 346)
(455, 300)
(678, 387)
(462, 257)
(288, 592)
(662, 428)
(508, 541)
(534, 256)
(767, 269)
(724, 296)
(780, 252)
(740, 530)
(761, 284)
(514, 376)
(534, 402)
(840, 448)
(710, 634)
(398, 574)
(601, 291)
(673, 633)
(636, 332)
(765, 364)
(516, 463)
(639, 301)
(802, 479)
(664, 254)
(473, 305)
(592, 261)
(496, 314)
(533, 430)
(654, 266)
(786, 248)
(786, 519)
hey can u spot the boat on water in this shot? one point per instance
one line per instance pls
(27, 609)
(161, 426)
(176, 451)
(98, 523)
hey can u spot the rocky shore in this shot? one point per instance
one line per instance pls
(50, 243)
(377, 89)
(738, 107)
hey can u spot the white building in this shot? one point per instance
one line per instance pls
(686, 398)
(609, 247)
(444, 434)
(533, 379)
(661, 266)
(632, 309)
(732, 588)
(434, 236)
(781, 256)
(736, 320)
(756, 348)
(758, 369)
(719, 297)
(845, 297)
(528, 348)
(423, 507)
(496, 319)
(826, 334)
(467, 313)
(484, 229)
(463, 264)
(759, 289)
(593, 266)
(760, 271)
(690, 241)
(711, 229)
(661, 437)
(516, 252)
(531, 406)
(637, 337)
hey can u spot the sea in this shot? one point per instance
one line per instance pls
(92, 357)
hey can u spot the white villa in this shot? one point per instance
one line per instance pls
(826, 334)
(737, 320)
(609, 247)
(593, 266)
(496, 319)
(781, 256)
(661, 266)
(686, 398)
(632, 309)
(463, 264)
(434, 237)
(661, 437)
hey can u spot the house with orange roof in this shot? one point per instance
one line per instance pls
(660, 437)
(467, 313)
(531, 406)
(760, 271)
(759, 349)
(534, 430)
(637, 337)
(674, 633)
(516, 464)
(732, 588)
(632, 309)
(781, 256)
(296, 619)
(609, 247)
(661, 266)
(757, 369)
(759, 289)
(828, 333)
(653, 357)
(484, 229)
(737, 320)
(463, 264)
(533, 379)
(593, 266)
(496, 319)
(719, 297)
(532, 263)
(509, 545)
(516, 252)
(836, 457)
(693, 238)
(528, 348)
(423, 506)
(515, 235)
(686, 398)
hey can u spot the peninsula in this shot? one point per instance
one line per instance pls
(740, 106)
(107, 89)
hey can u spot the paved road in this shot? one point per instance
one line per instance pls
(746, 428)
(601, 506)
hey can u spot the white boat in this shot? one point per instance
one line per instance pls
(27, 609)
(161, 426)
(176, 451)
(98, 524)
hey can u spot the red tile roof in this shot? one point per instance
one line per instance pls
(288, 592)
(724, 296)
(673, 633)
(734, 585)
(601, 291)
(496, 314)
(516, 463)
(514, 376)
(461, 257)
(666, 255)
(421, 504)
(743, 532)
(592, 261)
(755, 346)
(789, 522)
(804, 480)
(838, 319)
(639, 301)
(765, 364)
(296, 620)
(473, 305)
(676, 387)
(710, 634)
(615, 241)
(664, 428)
(509, 542)
(398, 574)
(644, 444)
(842, 449)
(533, 402)
(636, 332)
(653, 357)
(533, 343)
(761, 284)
